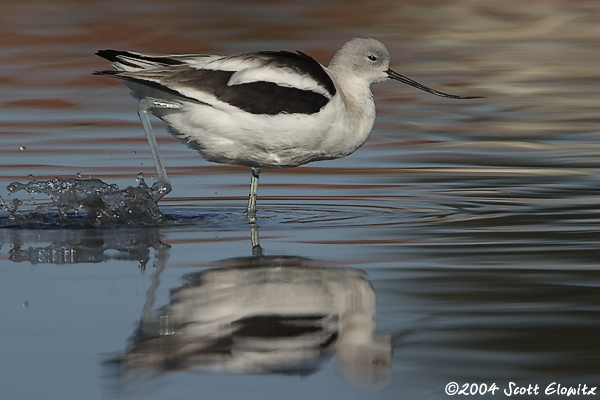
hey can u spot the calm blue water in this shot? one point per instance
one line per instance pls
(460, 244)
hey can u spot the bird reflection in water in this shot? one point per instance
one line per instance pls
(263, 315)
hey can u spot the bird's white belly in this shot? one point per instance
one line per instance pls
(268, 141)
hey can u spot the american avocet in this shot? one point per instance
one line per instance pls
(270, 109)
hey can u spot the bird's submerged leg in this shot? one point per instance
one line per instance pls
(163, 185)
(252, 198)
(256, 249)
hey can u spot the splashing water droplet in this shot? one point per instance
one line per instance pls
(86, 202)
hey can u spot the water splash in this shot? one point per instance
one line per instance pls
(83, 202)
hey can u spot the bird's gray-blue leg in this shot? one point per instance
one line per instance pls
(163, 186)
(252, 198)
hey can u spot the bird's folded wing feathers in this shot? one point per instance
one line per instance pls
(258, 83)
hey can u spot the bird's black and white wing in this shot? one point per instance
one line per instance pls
(258, 83)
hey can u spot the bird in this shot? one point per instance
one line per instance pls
(266, 109)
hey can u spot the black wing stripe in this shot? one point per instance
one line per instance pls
(303, 64)
(254, 97)
(117, 56)
(148, 83)
(271, 99)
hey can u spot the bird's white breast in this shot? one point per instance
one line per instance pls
(225, 134)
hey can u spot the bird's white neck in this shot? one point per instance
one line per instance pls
(359, 104)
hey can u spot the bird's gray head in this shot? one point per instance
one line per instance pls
(364, 58)
(370, 60)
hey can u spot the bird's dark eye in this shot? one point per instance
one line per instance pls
(372, 58)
